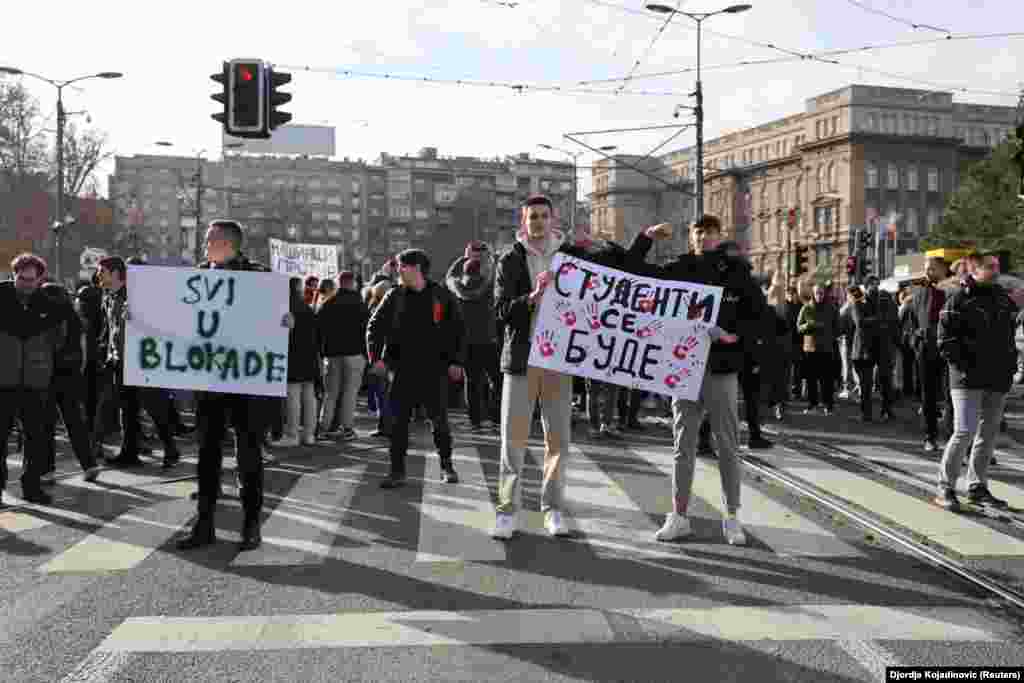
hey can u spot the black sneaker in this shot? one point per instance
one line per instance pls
(171, 461)
(930, 446)
(759, 443)
(980, 495)
(448, 475)
(393, 481)
(380, 434)
(947, 500)
(347, 434)
(39, 497)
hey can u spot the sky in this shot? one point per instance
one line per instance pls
(168, 51)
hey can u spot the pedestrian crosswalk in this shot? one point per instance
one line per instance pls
(616, 498)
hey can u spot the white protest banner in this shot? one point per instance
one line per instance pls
(207, 330)
(304, 259)
(593, 322)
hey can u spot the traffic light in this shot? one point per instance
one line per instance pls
(244, 95)
(275, 79)
(865, 267)
(801, 260)
(851, 265)
(792, 217)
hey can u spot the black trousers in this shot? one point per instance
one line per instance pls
(129, 400)
(30, 405)
(483, 383)
(750, 382)
(409, 388)
(934, 375)
(90, 393)
(629, 405)
(819, 368)
(65, 397)
(248, 418)
(866, 377)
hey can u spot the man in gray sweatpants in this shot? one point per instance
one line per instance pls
(737, 332)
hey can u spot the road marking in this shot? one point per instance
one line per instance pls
(956, 532)
(99, 667)
(29, 516)
(456, 520)
(303, 525)
(780, 528)
(543, 626)
(125, 541)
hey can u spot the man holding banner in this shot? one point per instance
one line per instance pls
(736, 334)
(248, 415)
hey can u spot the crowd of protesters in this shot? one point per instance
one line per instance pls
(410, 337)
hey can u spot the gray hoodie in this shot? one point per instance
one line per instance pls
(475, 294)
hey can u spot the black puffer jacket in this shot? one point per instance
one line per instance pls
(976, 337)
(417, 331)
(475, 294)
(342, 325)
(30, 334)
(303, 343)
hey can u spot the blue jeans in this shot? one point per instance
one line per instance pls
(976, 414)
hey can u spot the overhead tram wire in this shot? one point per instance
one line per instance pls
(811, 56)
(518, 87)
(899, 20)
(650, 46)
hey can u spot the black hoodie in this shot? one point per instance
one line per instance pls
(475, 294)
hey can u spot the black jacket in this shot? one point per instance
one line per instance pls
(874, 325)
(475, 294)
(918, 332)
(342, 325)
(741, 312)
(976, 337)
(89, 306)
(405, 335)
(303, 343)
(30, 336)
(513, 283)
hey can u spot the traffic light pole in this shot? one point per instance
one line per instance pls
(197, 255)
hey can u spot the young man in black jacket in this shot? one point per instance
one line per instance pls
(248, 415)
(416, 334)
(734, 339)
(976, 339)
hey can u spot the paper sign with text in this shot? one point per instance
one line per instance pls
(613, 326)
(301, 260)
(207, 330)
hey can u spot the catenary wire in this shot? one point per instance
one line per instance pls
(899, 20)
(650, 46)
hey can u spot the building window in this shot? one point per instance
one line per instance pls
(910, 225)
(835, 125)
(892, 179)
(782, 193)
(833, 184)
(912, 178)
(823, 218)
(357, 219)
(821, 179)
(421, 214)
(870, 175)
(933, 217)
(933, 180)
(817, 129)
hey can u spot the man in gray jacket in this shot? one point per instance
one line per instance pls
(471, 280)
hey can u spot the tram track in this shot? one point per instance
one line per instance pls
(930, 552)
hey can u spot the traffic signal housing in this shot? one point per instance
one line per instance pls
(276, 79)
(800, 265)
(864, 240)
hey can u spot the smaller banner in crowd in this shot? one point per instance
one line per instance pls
(207, 330)
(640, 332)
(301, 260)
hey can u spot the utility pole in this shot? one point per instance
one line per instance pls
(58, 225)
(199, 208)
(699, 114)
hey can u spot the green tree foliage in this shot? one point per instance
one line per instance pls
(985, 210)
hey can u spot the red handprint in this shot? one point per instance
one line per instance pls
(592, 283)
(546, 342)
(646, 305)
(676, 375)
(567, 268)
(683, 349)
(566, 313)
(672, 380)
(593, 317)
(650, 330)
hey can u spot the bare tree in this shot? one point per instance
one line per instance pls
(84, 151)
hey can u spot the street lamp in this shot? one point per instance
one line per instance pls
(699, 18)
(61, 221)
(574, 156)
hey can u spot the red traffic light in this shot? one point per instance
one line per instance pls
(851, 265)
(245, 72)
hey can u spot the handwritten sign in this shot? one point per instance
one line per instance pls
(625, 329)
(304, 259)
(207, 330)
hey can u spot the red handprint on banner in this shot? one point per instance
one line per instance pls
(567, 268)
(650, 330)
(685, 347)
(565, 313)
(646, 305)
(594, 317)
(546, 343)
(676, 375)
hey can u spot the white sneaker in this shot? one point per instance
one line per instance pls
(309, 441)
(286, 442)
(733, 531)
(554, 523)
(844, 395)
(505, 526)
(676, 526)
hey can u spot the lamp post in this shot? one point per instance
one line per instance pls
(699, 18)
(572, 204)
(61, 220)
